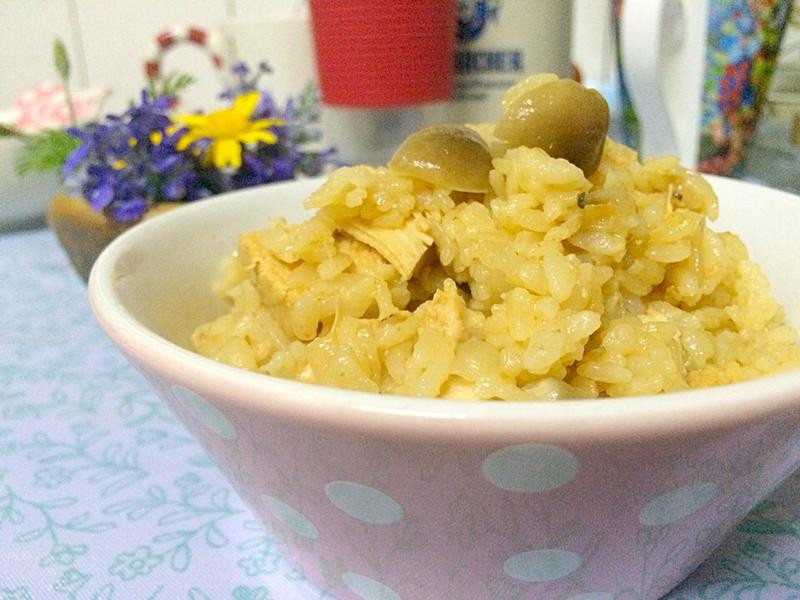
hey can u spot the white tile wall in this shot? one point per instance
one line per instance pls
(28, 29)
(117, 37)
(267, 9)
(108, 41)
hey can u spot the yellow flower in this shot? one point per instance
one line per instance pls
(228, 129)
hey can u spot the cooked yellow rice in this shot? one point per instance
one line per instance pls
(551, 286)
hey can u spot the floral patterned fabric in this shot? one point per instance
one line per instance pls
(744, 37)
(743, 40)
(103, 494)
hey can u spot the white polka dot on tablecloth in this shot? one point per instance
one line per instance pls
(290, 517)
(364, 503)
(205, 412)
(367, 588)
(546, 564)
(530, 468)
(593, 596)
(676, 504)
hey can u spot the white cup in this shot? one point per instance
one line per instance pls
(23, 198)
(662, 45)
(501, 42)
(696, 73)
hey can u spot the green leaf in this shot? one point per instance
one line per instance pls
(32, 535)
(58, 502)
(172, 84)
(122, 506)
(14, 516)
(120, 484)
(197, 594)
(247, 593)
(9, 131)
(172, 536)
(61, 59)
(760, 527)
(743, 574)
(788, 568)
(157, 493)
(214, 537)
(45, 152)
(139, 512)
(180, 559)
(98, 527)
(78, 520)
(177, 516)
(201, 461)
(104, 593)
(219, 499)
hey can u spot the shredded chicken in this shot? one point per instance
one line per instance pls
(403, 247)
(271, 273)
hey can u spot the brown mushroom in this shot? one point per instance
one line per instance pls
(561, 117)
(453, 157)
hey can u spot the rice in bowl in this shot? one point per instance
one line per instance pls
(557, 281)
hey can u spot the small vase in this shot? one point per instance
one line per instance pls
(84, 233)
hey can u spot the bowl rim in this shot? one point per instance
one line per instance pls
(619, 417)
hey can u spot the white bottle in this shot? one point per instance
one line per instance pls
(501, 42)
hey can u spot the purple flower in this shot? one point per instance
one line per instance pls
(130, 210)
(125, 163)
(101, 196)
(240, 69)
(76, 158)
(176, 188)
(148, 117)
(283, 168)
(163, 164)
(266, 108)
(255, 172)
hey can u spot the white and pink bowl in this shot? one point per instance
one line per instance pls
(388, 498)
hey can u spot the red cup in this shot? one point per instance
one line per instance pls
(384, 53)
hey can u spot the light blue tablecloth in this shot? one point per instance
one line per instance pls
(103, 494)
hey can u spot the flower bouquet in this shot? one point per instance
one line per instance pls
(152, 158)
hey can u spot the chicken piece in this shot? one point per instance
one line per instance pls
(271, 274)
(445, 311)
(360, 253)
(402, 247)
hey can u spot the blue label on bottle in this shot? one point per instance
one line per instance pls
(473, 15)
(489, 61)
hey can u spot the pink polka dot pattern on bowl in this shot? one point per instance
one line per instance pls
(290, 517)
(547, 564)
(364, 503)
(530, 468)
(204, 412)
(676, 504)
(368, 588)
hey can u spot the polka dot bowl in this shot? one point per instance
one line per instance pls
(388, 498)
